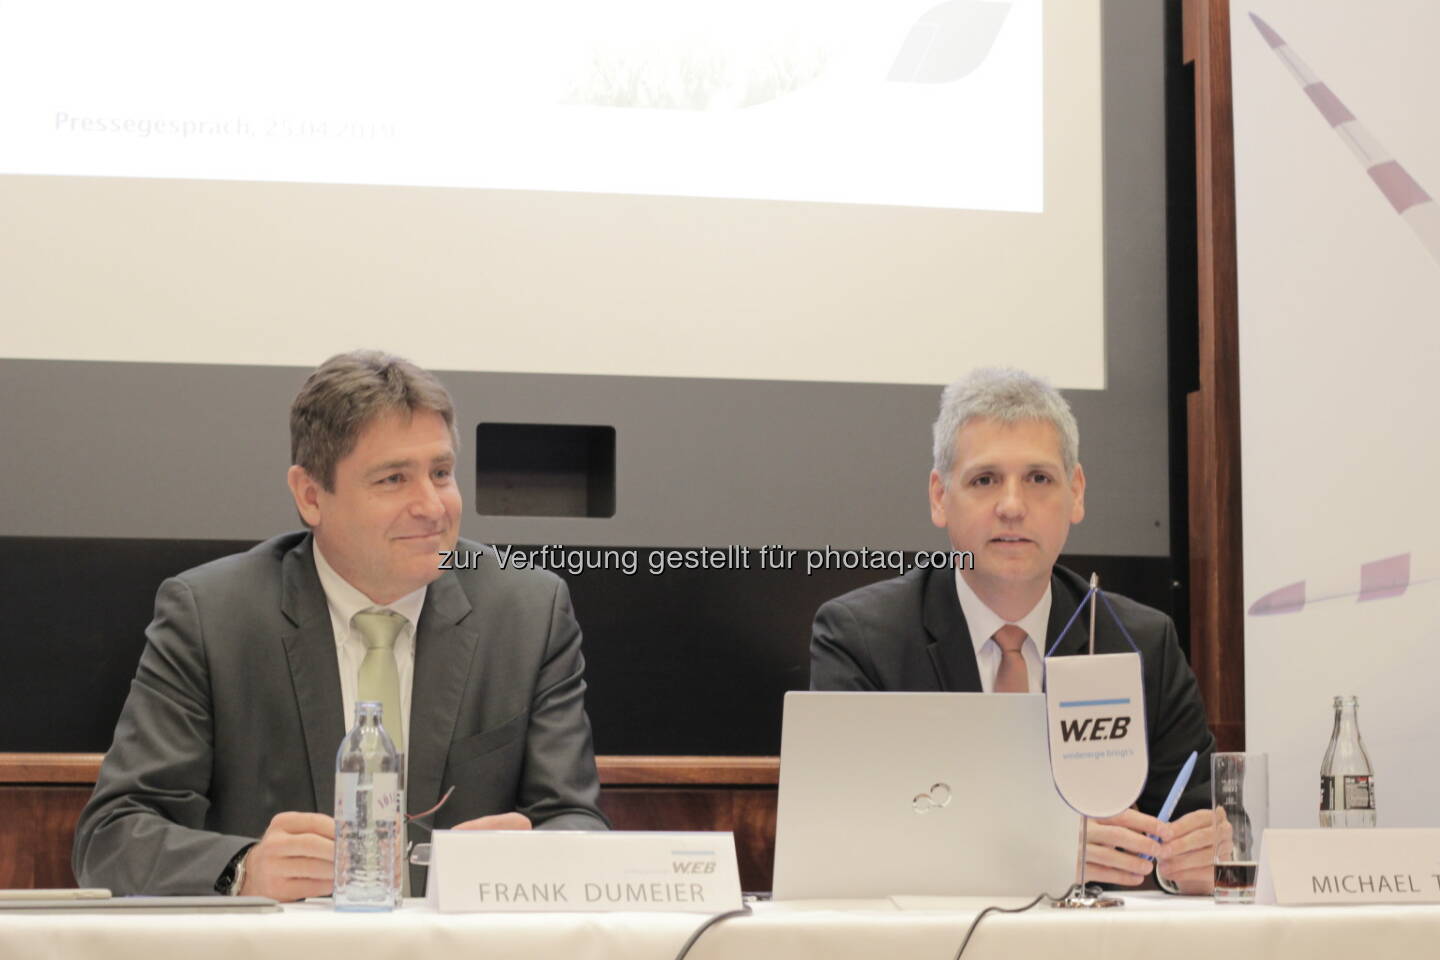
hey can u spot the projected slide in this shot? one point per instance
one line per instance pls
(867, 101)
(853, 191)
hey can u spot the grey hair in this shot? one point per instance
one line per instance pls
(345, 393)
(1005, 395)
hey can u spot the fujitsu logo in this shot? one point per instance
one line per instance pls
(936, 798)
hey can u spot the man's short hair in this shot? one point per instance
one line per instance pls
(344, 394)
(1005, 395)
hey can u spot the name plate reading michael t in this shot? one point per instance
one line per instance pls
(1349, 866)
(502, 871)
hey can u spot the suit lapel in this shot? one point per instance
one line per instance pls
(950, 648)
(444, 651)
(314, 669)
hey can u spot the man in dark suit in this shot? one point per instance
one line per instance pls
(1006, 486)
(221, 776)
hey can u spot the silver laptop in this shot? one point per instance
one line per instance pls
(944, 794)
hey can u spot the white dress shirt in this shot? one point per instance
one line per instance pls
(344, 602)
(983, 622)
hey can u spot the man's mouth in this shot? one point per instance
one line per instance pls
(1010, 539)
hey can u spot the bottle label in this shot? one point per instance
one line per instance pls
(1347, 793)
(1359, 793)
(382, 799)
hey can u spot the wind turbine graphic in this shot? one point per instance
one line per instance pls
(1387, 576)
(1416, 207)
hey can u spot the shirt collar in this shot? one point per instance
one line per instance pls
(983, 622)
(345, 600)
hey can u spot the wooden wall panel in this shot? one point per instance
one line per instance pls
(41, 796)
(1217, 625)
(37, 824)
(748, 812)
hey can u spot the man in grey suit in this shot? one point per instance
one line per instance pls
(1006, 486)
(221, 775)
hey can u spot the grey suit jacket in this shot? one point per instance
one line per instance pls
(909, 633)
(235, 715)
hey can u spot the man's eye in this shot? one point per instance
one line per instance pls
(443, 473)
(393, 479)
(984, 480)
(1041, 478)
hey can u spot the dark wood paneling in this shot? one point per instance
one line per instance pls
(41, 796)
(696, 662)
(50, 767)
(710, 771)
(37, 824)
(1217, 638)
(616, 771)
(748, 812)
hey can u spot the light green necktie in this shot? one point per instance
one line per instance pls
(379, 680)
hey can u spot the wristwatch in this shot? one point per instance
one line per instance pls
(1165, 884)
(232, 878)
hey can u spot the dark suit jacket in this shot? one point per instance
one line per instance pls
(909, 633)
(235, 715)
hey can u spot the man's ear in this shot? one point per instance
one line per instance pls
(306, 492)
(937, 499)
(1077, 488)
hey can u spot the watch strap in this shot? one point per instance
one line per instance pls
(232, 878)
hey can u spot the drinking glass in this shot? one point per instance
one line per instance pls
(1240, 796)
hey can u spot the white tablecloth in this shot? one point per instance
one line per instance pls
(1149, 927)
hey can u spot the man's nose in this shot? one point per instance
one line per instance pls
(1011, 504)
(427, 502)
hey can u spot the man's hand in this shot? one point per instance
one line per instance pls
(1114, 846)
(1187, 857)
(497, 821)
(294, 860)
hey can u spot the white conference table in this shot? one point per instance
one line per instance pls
(1149, 927)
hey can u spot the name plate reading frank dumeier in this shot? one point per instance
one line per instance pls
(511, 871)
(1349, 866)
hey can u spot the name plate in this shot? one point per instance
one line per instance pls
(1349, 866)
(511, 871)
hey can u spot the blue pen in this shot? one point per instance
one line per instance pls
(1168, 808)
(1181, 782)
